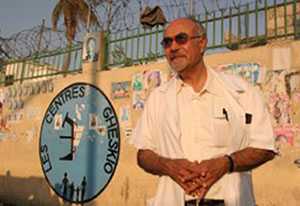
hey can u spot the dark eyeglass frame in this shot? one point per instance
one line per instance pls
(181, 39)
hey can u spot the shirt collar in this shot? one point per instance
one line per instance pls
(211, 84)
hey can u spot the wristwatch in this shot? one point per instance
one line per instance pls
(231, 163)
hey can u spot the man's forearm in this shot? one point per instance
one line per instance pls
(250, 158)
(151, 162)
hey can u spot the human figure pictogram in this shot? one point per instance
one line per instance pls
(72, 189)
(64, 184)
(83, 188)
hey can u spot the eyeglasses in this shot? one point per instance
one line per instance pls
(180, 39)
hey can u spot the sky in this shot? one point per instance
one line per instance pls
(17, 15)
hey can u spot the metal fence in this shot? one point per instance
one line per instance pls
(41, 66)
(247, 25)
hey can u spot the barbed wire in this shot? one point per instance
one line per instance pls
(121, 15)
(29, 42)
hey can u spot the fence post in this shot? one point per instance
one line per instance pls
(256, 21)
(247, 23)
(239, 25)
(275, 16)
(23, 71)
(285, 20)
(222, 27)
(230, 26)
(266, 20)
(2, 72)
(295, 19)
(103, 50)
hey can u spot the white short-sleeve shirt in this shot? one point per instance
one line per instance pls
(197, 118)
(173, 129)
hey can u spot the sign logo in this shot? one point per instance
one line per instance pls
(79, 143)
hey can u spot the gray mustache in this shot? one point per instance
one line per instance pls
(176, 54)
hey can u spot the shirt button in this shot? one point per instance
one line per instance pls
(195, 98)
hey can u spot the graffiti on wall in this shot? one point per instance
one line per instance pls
(152, 79)
(142, 85)
(4, 128)
(15, 98)
(13, 111)
(138, 88)
(253, 71)
(281, 90)
(148, 80)
(33, 112)
(137, 82)
(138, 100)
(125, 117)
(125, 120)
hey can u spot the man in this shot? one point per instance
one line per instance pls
(202, 132)
(91, 52)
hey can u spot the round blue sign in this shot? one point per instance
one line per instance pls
(79, 143)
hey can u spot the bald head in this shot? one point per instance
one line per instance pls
(189, 24)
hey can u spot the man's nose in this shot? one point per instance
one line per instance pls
(174, 46)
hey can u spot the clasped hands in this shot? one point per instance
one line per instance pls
(194, 177)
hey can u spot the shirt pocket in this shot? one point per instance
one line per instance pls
(221, 127)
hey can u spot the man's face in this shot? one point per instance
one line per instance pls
(91, 46)
(182, 56)
(119, 86)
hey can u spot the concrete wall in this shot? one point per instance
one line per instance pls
(22, 181)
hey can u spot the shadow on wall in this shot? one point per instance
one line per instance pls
(25, 191)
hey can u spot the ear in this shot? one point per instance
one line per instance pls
(202, 44)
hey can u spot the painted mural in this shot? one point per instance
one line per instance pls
(82, 124)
